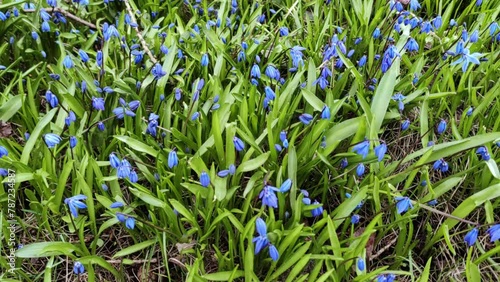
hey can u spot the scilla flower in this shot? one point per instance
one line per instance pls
(51, 140)
(74, 203)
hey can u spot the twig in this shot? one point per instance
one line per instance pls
(66, 14)
(446, 214)
(139, 34)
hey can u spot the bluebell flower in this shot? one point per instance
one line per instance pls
(268, 196)
(110, 32)
(232, 169)
(68, 62)
(479, 2)
(325, 113)
(412, 45)
(403, 204)
(173, 159)
(133, 177)
(360, 170)
(26, 137)
(474, 37)
(3, 152)
(493, 28)
(344, 163)
(405, 124)
(114, 161)
(285, 186)
(34, 35)
(255, 71)
(52, 3)
(269, 93)
(100, 126)
(362, 148)
(361, 264)
(260, 241)
(483, 152)
(51, 98)
(471, 237)
(123, 169)
(4, 172)
(494, 232)
(241, 56)
(466, 59)
(432, 202)
(98, 103)
(195, 116)
(116, 205)
(272, 72)
(52, 140)
(437, 22)
(74, 203)
(469, 111)
(426, 27)
(441, 127)
(130, 223)
(296, 54)
(204, 179)
(355, 219)
(204, 60)
(414, 5)
(376, 33)
(284, 31)
(78, 268)
(278, 147)
(72, 142)
(273, 252)
(440, 165)
(317, 211)
(158, 71)
(380, 151)
(83, 55)
(305, 118)
(362, 61)
(238, 144)
(283, 135)
(45, 26)
(430, 143)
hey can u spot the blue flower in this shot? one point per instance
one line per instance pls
(317, 211)
(286, 186)
(195, 116)
(362, 148)
(361, 264)
(110, 32)
(74, 203)
(376, 33)
(360, 170)
(238, 144)
(471, 237)
(116, 205)
(355, 219)
(440, 165)
(52, 140)
(273, 252)
(72, 142)
(45, 26)
(52, 3)
(68, 62)
(494, 232)
(100, 126)
(269, 93)
(204, 60)
(4, 172)
(173, 160)
(78, 268)
(114, 160)
(405, 124)
(441, 126)
(325, 113)
(403, 204)
(98, 103)
(260, 241)
(51, 98)
(204, 179)
(124, 169)
(437, 22)
(255, 71)
(466, 59)
(380, 151)
(306, 118)
(268, 196)
(284, 31)
(412, 45)
(362, 61)
(158, 71)
(474, 37)
(344, 163)
(130, 223)
(469, 111)
(272, 72)
(414, 5)
(133, 177)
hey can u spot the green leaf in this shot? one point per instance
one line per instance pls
(135, 248)
(11, 107)
(253, 164)
(47, 249)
